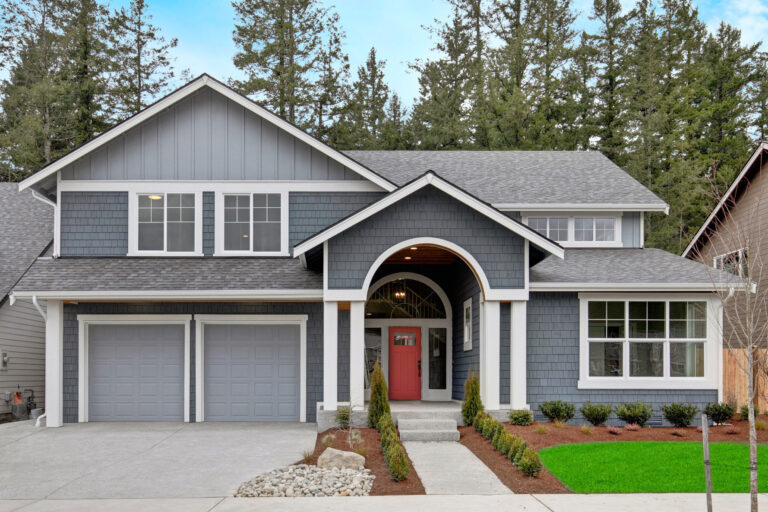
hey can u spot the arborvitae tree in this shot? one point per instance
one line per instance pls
(141, 57)
(279, 43)
(331, 86)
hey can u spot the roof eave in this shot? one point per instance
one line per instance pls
(559, 207)
(213, 295)
(631, 287)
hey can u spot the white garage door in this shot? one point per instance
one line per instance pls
(251, 372)
(136, 373)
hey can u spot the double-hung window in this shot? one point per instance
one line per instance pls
(165, 223)
(253, 224)
(640, 342)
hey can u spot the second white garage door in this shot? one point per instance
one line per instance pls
(251, 372)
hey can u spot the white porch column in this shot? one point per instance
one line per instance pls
(490, 346)
(330, 354)
(518, 356)
(357, 354)
(54, 363)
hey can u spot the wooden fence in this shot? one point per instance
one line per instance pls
(735, 379)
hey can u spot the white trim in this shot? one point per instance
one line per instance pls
(54, 363)
(564, 207)
(202, 320)
(57, 221)
(84, 321)
(133, 222)
(712, 347)
(518, 394)
(642, 230)
(357, 355)
(763, 146)
(742, 254)
(466, 344)
(431, 179)
(219, 222)
(490, 344)
(183, 92)
(571, 217)
(220, 185)
(330, 354)
(286, 294)
(629, 287)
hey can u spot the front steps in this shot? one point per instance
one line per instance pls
(427, 429)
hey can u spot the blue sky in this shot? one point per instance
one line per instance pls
(204, 31)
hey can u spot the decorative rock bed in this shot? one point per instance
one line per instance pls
(306, 480)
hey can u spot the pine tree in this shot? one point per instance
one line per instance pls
(395, 133)
(331, 86)
(141, 57)
(280, 44)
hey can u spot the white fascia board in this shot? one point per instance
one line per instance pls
(628, 287)
(281, 295)
(587, 207)
(439, 183)
(182, 186)
(762, 147)
(180, 94)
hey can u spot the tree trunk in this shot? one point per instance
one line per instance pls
(752, 430)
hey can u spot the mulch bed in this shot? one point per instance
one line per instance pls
(571, 434)
(383, 485)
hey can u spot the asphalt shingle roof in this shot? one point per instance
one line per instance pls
(26, 228)
(129, 274)
(519, 177)
(624, 266)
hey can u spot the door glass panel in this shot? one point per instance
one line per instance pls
(437, 357)
(372, 352)
(405, 339)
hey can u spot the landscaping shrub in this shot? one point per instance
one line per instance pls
(744, 412)
(504, 442)
(719, 413)
(759, 425)
(472, 403)
(632, 427)
(516, 448)
(596, 414)
(489, 428)
(480, 418)
(342, 418)
(397, 462)
(586, 430)
(496, 441)
(388, 438)
(679, 415)
(385, 423)
(379, 403)
(634, 412)
(530, 463)
(614, 431)
(521, 417)
(328, 440)
(557, 410)
(541, 429)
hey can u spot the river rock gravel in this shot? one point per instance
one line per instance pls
(306, 480)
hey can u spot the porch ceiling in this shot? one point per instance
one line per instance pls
(422, 255)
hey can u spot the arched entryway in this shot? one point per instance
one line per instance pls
(408, 327)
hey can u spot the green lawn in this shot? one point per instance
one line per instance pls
(653, 466)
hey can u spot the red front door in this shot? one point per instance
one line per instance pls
(405, 363)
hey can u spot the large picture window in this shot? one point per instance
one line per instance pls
(166, 223)
(253, 223)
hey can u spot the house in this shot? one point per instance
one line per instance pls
(26, 231)
(213, 262)
(733, 234)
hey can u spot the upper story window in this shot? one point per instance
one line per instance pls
(578, 231)
(165, 223)
(734, 262)
(253, 224)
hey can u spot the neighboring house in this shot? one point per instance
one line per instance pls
(26, 230)
(734, 232)
(213, 262)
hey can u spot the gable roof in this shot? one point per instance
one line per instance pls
(430, 178)
(205, 80)
(520, 180)
(26, 229)
(740, 183)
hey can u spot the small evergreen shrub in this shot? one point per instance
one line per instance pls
(388, 438)
(496, 441)
(521, 417)
(634, 412)
(720, 413)
(744, 412)
(505, 442)
(385, 423)
(480, 418)
(530, 463)
(342, 418)
(379, 403)
(472, 403)
(596, 414)
(557, 410)
(516, 449)
(679, 415)
(489, 428)
(397, 462)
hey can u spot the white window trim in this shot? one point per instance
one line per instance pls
(284, 249)
(571, 242)
(717, 261)
(202, 320)
(467, 340)
(133, 221)
(712, 347)
(84, 321)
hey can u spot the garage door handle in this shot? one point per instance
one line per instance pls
(419, 367)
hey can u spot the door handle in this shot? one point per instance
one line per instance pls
(419, 367)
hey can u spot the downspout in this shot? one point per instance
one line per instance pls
(45, 319)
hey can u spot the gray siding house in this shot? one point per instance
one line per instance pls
(212, 262)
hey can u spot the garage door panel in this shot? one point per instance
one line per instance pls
(251, 362)
(136, 372)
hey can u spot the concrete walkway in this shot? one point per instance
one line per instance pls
(509, 502)
(450, 468)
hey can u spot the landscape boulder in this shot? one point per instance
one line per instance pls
(333, 458)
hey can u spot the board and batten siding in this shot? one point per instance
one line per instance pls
(206, 137)
(22, 336)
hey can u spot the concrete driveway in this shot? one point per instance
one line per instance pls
(143, 460)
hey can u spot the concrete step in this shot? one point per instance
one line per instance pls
(427, 424)
(398, 416)
(429, 435)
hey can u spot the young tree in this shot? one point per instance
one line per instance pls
(141, 58)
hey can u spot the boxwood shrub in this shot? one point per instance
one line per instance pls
(530, 463)
(596, 414)
(679, 415)
(720, 413)
(557, 410)
(521, 417)
(634, 412)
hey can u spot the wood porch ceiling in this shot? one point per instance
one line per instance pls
(422, 255)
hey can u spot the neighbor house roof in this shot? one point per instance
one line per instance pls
(625, 269)
(171, 278)
(26, 229)
(739, 185)
(522, 180)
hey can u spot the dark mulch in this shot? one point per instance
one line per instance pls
(374, 460)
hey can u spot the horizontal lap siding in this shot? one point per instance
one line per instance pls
(22, 337)
(553, 362)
